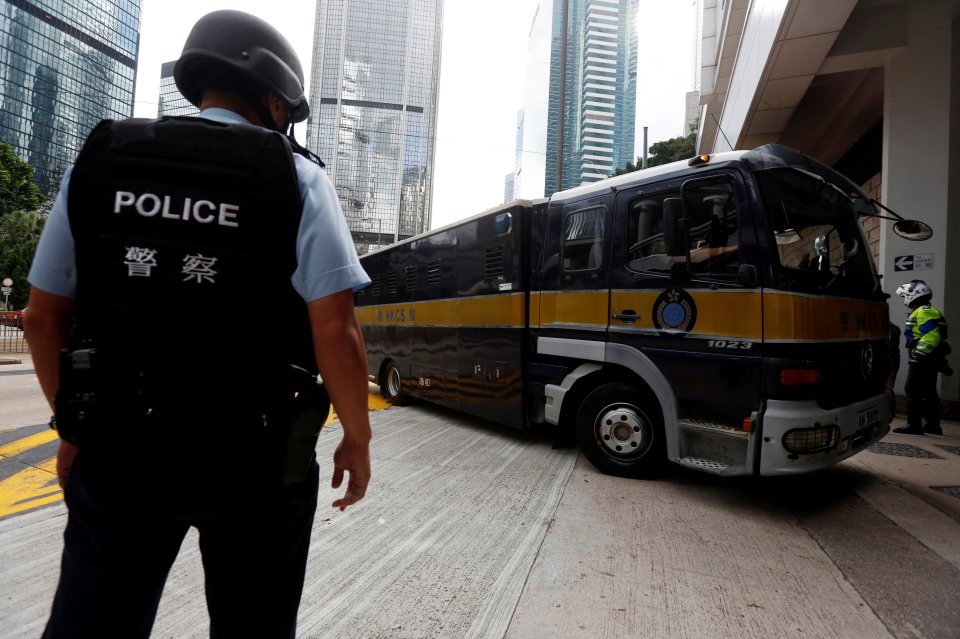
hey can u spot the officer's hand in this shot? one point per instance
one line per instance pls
(65, 455)
(355, 459)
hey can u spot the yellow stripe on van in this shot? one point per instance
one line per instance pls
(732, 314)
(749, 315)
(795, 317)
(587, 308)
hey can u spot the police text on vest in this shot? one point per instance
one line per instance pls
(203, 211)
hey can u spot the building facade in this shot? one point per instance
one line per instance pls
(63, 68)
(869, 87)
(171, 101)
(583, 53)
(533, 159)
(373, 111)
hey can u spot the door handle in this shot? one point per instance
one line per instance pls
(627, 316)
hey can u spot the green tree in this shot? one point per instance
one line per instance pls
(672, 150)
(18, 192)
(19, 234)
(22, 216)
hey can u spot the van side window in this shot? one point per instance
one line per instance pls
(713, 226)
(583, 236)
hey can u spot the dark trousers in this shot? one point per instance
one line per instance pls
(119, 545)
(923, 401)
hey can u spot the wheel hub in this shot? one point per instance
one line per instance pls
(393, 382)
(621, 430)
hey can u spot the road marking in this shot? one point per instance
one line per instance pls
(31, 488)
(18, 446)
(36, 486)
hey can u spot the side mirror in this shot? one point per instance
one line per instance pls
(748, 275)
(913, 230)
(675, 236)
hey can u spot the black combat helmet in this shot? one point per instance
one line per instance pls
(236, 51)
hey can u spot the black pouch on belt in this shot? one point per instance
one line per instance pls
(78, 402)
(303, 417)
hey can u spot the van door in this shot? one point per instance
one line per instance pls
(574, 300)
(696, 317)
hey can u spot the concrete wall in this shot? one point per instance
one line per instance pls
(820, 76)
(920, 157)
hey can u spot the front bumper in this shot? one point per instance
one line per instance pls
(782, 416)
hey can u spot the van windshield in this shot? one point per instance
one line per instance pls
(820, 243)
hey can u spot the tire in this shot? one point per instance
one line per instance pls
(391, 385)
(621, 431)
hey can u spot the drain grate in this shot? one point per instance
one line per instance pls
(953, 491)
(902, 450)
(950, 449)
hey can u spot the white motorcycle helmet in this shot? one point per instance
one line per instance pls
(913, 291)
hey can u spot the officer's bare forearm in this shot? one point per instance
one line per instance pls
(343, 368)
(46, 325)
(341, 360)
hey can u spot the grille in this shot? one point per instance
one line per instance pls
(493, 264)
(392, 283)
(844, 368)
(811, 440)
(410, 278)
(375, 286)
(433, 273)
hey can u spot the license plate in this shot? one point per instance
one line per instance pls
(868, 418)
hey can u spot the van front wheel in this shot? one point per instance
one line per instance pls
(621, 432)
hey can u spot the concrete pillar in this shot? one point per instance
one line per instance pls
(921, 162)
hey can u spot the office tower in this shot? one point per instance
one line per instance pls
(588, 129)
(512, 181)
(63, 68)
(171, 101)
(373, 111)
(536, 105)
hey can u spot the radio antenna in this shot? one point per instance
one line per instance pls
(714, 116)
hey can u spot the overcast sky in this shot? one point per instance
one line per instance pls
(481, 80)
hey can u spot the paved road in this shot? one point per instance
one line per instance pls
(471, 530)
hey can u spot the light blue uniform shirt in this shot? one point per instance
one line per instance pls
(327, 261)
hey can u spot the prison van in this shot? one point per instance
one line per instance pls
(722, 313)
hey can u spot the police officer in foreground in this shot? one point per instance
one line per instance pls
(926, 342)
(179, 404)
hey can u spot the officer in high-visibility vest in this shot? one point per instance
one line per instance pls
(141, 329)
(925, 333)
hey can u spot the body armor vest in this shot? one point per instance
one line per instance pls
(185, 232)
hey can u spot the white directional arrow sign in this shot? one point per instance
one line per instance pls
(903, 263)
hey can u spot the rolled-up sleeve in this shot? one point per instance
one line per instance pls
(327, 261)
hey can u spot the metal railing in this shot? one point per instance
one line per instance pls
(11, 340)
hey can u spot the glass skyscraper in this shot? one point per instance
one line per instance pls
(171, 101)
(584, 126)
(64, 66)
(373, 111)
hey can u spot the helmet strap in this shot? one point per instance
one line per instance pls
(302, 150)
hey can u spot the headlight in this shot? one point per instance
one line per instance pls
(811, 440)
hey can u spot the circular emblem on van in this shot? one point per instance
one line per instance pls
(866, 361)
(674, 310)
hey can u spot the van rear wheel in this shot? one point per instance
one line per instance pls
(621, 431)
(391, 385)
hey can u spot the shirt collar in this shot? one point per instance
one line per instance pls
(226, 116)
